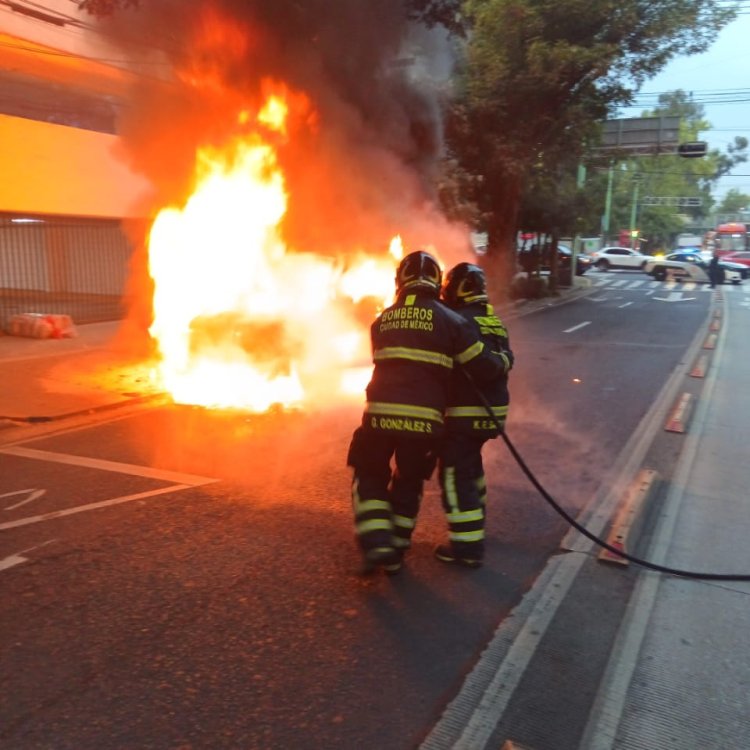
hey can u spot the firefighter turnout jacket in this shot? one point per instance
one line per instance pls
(466, 413)
(417, 343)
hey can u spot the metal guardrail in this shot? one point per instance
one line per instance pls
(63, 265)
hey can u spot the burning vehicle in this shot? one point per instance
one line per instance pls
(289, 156)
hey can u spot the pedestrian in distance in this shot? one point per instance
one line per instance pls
(714, 270)
(417, 343)
(476, 413)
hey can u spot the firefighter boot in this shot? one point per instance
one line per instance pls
(387, 558)
(393, 567)
(445, 553)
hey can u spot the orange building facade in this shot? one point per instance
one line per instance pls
(59, 101)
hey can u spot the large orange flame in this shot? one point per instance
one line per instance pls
(240, 320)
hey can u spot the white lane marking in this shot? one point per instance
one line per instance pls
(9, 562)
(635, 284)
(116, 466)
(31, 495)
(575, 328)
(92, 506)
(557, 578)
(624, 305)
(18, 557)
(675, 297)
(597, 299)
(620, 282)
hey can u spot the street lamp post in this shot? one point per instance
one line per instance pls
(608, 204)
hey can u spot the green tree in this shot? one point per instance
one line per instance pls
(734, 202)
(538, 75)
(736, 154)
(668, 176)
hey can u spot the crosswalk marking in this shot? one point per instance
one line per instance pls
(669, 286)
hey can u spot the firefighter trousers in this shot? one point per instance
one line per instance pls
(386, 499)
(464, 493)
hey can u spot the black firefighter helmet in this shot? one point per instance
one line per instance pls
(419, 270)
(464, 283)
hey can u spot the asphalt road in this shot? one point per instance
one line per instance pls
(201, 590)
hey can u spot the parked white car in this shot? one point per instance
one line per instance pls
(619, 257)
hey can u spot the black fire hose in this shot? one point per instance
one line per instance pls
(578, 527)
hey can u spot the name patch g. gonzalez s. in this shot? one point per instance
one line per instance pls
(401, 424)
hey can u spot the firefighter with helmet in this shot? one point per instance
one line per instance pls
(468, 425)
(417, 344)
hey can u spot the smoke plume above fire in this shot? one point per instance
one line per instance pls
(365, 172)
(325, 116)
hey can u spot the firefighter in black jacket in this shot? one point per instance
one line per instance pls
(468, 424)
(417, 344)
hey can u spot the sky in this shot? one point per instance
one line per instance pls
(715, 77)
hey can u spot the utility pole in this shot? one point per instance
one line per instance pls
(634, 209)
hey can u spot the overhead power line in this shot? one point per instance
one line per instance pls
(709, 96)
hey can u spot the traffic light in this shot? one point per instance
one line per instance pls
(692, 149)
(634, 233)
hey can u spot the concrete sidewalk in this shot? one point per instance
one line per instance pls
(49, 379)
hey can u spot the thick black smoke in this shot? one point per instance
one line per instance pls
(366, 173)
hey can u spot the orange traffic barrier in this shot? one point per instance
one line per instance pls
(680, 415)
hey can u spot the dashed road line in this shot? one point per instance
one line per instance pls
(575, 328)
